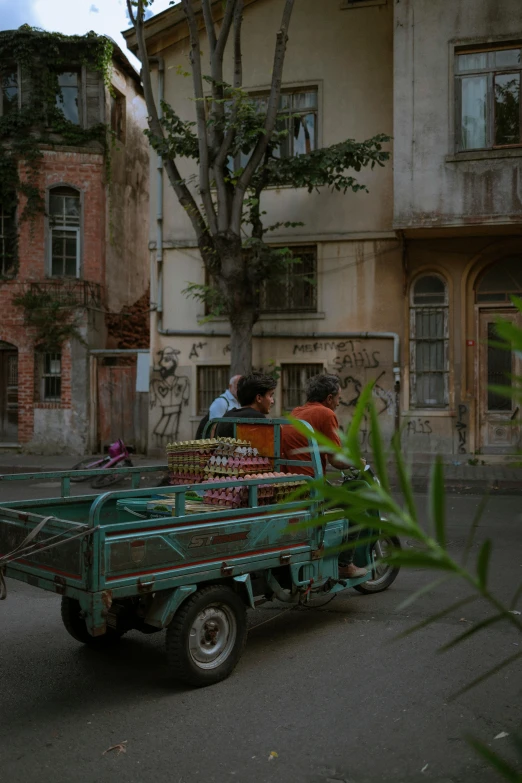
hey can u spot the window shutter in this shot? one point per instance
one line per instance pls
(93, 99)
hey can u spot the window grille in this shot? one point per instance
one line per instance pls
(294, 378)
(487, 93)
(64, 220)
(296, 290)
(48, 377)
(500, 281)
(212, 381)
(429, 360)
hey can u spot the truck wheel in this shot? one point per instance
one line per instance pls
(75, 626)
(383, 574)
(206, 637)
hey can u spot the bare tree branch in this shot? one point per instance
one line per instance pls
(238, 57)
(216, 67)
(131, 13)
(209, 24)
(197, 78)
(184, 195)
(270, 121)
(224, 192)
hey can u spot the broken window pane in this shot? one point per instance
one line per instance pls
(67, 97)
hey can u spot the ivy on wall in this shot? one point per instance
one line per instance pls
(54, 315)
(39, 57)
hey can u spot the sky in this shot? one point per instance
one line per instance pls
(73, 17)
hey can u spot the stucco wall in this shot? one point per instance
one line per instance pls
(432, 185)
(348, 56)
(359, 289)
(127, 266)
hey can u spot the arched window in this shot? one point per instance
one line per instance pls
(64, 227)
(500, 281)
(429, 361)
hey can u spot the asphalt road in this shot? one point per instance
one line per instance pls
(326, 689)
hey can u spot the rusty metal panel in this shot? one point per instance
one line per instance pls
(116, 403)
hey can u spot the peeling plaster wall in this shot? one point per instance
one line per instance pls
(431, 188)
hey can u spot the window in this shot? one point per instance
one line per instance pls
(293, 380)
(297, 291)
(64, 223)
(67, 97)
(118, 116)
(499, 371)
(7, 241)
(9, 96)
(297, 114)
(501, 281)
(429, 343)
(48, 377)
(212, 381)
(488, 98)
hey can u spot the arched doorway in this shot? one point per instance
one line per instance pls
(499, 414)
(8, 393)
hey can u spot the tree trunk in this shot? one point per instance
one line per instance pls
(241, 325)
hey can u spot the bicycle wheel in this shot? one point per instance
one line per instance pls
(85, 464)
(109, 478)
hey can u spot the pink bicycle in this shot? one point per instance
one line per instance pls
(117, 457)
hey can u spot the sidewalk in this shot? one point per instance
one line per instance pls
(460, 478)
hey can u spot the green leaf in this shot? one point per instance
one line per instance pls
(379, 456)
(487, 675)
(437, 501)
(438, 616)
(471, 631)
(423, 591)
(473, 529)
(483, 563)
(404, 479)
(351, 437)
(503, 767)
(516, 596)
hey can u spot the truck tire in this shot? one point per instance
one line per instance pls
(75, 626)
(206, 637)
(384, 575)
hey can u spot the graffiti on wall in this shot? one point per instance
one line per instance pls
(419, 427)
(462, 428)
(169, 393)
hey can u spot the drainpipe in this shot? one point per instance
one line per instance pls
(310, 336)
(157, 273)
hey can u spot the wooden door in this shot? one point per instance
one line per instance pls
(116, 404)
(8, 396)
(499, 414)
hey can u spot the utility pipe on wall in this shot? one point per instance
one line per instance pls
(309, 336)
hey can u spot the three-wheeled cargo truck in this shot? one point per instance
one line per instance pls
(151, 559)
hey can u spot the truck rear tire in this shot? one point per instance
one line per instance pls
(75, 626)
(206, 637)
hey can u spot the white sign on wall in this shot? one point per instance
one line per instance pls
(142, 372)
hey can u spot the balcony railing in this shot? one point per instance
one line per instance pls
(83, 292)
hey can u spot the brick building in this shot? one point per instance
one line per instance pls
(82, 255)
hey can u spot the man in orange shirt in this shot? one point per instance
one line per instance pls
(322, 399)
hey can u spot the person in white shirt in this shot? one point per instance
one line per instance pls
(226, 401)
